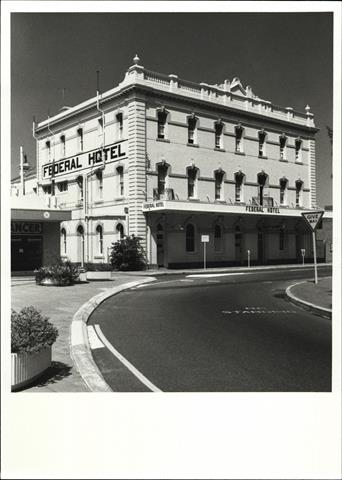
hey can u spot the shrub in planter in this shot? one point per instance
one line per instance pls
(128, 254)
(61, 273)
(30, 331)
(98, 267)
(32, 336)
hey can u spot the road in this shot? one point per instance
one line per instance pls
(221, 333)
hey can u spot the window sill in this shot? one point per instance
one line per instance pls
(299, 162)
(79, 204)
(192, 199)
(217, 200)
(264, 157)
(192, 145)
(165, 140)
(119, 199)
(218, 149)
(240, 153)
(283, 160)
(99, 257)
(97, 202)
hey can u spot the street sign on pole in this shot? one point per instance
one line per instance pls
(312, 219)
(204, 240)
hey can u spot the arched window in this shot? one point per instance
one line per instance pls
(119, 120)
(283, 191)
(99, 181)
(192, 182)
(192, 129)
(190, 238)
(262, 143)
(162, 174)
(79, 181)
(63, 242)
(162, 118)
(282, 145)
(80, 244)
(239, 178)
(219, 174)
(218, 134)
(262, 181)
(120, 231)
(80, 139)
(99, 237)
(299, 193)
(218, 238)
(239, 131)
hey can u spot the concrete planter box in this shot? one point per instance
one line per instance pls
(50, 282)
(99, 275)
(26, 367)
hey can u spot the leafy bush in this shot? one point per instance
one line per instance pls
(30, 331)
(128, 254)
(62, 272)
(98, 267)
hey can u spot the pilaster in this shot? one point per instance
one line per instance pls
(312, 173)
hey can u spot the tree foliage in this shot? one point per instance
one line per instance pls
(128, 254)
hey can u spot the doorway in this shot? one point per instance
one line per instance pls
(26, 253)
(260, 247)
(160, 245)
(238, 245)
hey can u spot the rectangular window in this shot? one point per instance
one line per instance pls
(238, 192)
(120, 174)
(192, 172)
(80, 139)
(218, 134)
(218, 185)
(99, 180)
(119, 119)
(298, 146)
(48, 150)
(162, 117)
(62, 146)
(192, 122)
(47, 189)
(282, 145)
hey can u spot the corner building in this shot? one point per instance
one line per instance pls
(169, 161)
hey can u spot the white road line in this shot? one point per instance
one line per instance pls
(267, 282)
(156, 283)
(209, 275)
(185, 280)
(94, 340)
(213, 281)
(125, 362)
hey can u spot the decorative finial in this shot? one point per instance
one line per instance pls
(307, 109)
(136, 59)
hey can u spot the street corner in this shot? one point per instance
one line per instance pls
(312, 296)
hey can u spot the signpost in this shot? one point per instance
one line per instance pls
(302, 251)
(248, 258)
(204, 240)
(312, 219)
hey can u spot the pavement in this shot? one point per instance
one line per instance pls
(312, 296)
(61, 304)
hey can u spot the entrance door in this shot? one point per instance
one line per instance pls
(260, 247)
(238, 245)
(26, 253)
(160, 246)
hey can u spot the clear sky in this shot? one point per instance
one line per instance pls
(286, 58)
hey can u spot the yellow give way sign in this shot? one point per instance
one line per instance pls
(313, 218)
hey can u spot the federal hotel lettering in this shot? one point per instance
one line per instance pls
(80, 162)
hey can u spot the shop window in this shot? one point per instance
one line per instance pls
(299, 193)
(239, 178)
(62, 186)
(192, 130)
(62, 141)
(79, 182)
(80, 139)
(120, 231)
(99, 238)
(298, 149)
(282, 146)
(283, 191)
(190, 238)
(219, 134)
(63, 241)
(219, 174)
(262, 143)
(162, 119)
(99, 184)
(48, 150)
(120, 178)
(218, 238)
(281, 239)
(119, 119)
(162, 176)
(239, 132)
(192, 182)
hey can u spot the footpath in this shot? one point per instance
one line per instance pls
(60, 304)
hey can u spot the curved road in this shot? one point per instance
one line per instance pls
(228, 332)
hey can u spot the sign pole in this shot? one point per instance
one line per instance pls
(314, 252)
(204, 255)
(248, 258)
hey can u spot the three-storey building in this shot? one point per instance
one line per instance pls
(169, 161)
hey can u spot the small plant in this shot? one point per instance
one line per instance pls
(62, 272)
(30, 331)
(128, 254)
(98, 267)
